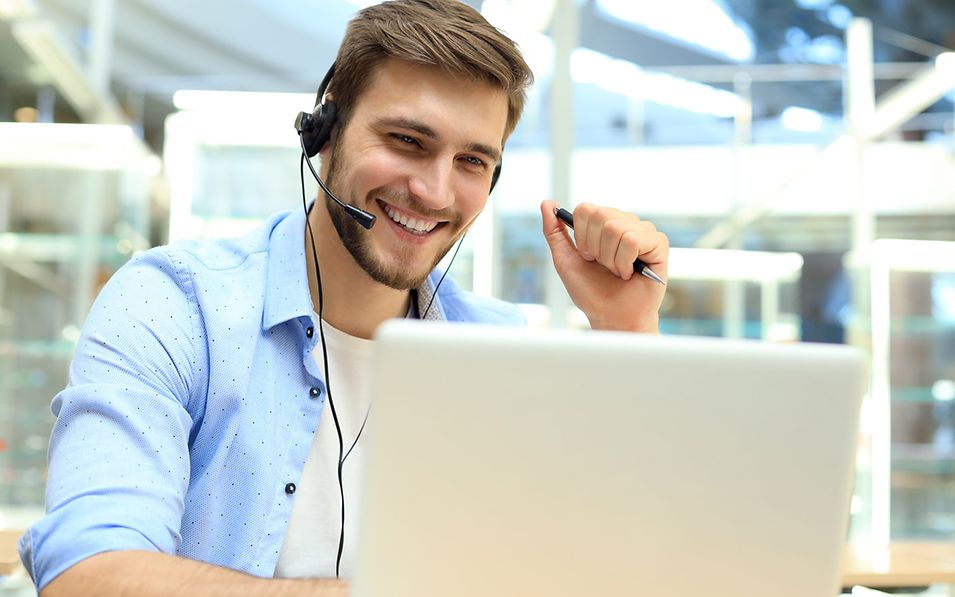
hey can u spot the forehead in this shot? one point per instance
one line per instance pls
(469, 111)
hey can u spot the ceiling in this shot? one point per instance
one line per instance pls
(161, 46)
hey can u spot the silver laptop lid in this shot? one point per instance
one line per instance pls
(519, 462)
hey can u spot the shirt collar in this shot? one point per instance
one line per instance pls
(424, 294)
(287, 295)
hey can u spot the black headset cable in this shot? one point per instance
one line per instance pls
(342, 455)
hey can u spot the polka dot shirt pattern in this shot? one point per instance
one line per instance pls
(191, 405)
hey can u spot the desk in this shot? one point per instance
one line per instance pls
(9, 558)
(901, 564)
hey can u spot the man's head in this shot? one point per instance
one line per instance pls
(427, 93)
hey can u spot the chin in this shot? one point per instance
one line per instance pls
(399, 278)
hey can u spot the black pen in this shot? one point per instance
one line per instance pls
(639, 266)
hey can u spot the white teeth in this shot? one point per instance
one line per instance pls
(413, 224)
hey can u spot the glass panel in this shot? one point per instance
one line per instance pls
(921, 374)
(246, 182)
(64, 230)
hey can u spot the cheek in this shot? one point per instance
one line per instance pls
(471, 200)
(376, 169)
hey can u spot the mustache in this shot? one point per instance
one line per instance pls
(408, 202)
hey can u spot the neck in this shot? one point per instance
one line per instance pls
(354, 303)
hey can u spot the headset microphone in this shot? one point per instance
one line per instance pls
(305, 124)
(361, 216)
(314, 131)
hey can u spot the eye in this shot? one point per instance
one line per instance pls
(405, 139)
(475, 161)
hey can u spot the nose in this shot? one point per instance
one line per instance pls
(432, 184)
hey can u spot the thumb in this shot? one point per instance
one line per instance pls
(556, 234)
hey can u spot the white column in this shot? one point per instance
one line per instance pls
(859, 110)
(565, 31)
(734, 291)
(769, 307)
(88, 230)
(5, 202)
(485, 253)
(102, 27)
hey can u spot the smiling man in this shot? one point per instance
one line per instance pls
(418, 151)
(208, 441)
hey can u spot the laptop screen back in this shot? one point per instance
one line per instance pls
(519, 462)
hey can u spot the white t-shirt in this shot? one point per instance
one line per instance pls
(311, 542)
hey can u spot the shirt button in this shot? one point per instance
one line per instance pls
(290, 488)
(314, 392)
(309, 331)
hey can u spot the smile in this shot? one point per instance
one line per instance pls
(409, 223)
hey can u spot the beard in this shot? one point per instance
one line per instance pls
(403, 275)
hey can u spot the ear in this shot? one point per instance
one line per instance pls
(329, 145)
(329, 133)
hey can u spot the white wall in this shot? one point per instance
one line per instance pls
(902, 178)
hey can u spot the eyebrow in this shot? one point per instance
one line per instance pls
(426, 131)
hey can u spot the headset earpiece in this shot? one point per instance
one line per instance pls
(317, 127)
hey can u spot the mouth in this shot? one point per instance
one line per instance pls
(412, 224)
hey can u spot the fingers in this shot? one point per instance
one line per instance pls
(556, 234)
(623, 262)
(615, 239)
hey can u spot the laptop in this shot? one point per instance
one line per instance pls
(517, 462)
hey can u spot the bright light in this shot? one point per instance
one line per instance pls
(856, 505)
(84, 146)
(626, 78)
(914, 255)
(813, 4)
(25, 114)
(839, 15)
(729, 264)
(802, 120)
(943, 390)
(16, 9)
(703, 23)
(152, 165)
(515, 15)
(945, 63)
(523, 21)
(70, 333)
(253, 103)
(36, 133)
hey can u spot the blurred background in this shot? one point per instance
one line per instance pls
(800, 154)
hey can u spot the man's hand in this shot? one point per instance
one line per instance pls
(598, 270)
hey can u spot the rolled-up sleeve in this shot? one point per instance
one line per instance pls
(118, 456)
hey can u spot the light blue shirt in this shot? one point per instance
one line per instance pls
(192, 403)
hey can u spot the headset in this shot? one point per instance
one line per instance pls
(314, 132)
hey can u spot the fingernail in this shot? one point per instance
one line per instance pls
(587, 256)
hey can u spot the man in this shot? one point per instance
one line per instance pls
(185, 457)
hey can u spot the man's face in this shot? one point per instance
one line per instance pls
(418, 152)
